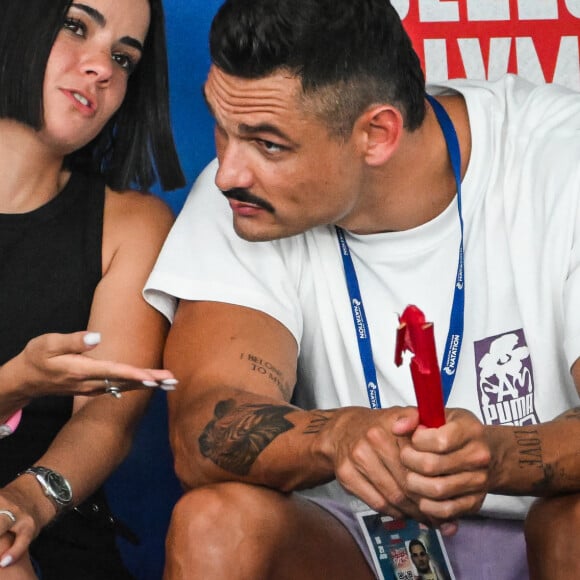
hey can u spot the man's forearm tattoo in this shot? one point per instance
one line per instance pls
(530, 455)
(267, 369)
(237, 434)
(573, 414)
(530, 452)
(317, 423)
(529, 447)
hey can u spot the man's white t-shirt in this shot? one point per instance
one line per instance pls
(520, 200)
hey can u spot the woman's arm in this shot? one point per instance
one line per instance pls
(98, 436)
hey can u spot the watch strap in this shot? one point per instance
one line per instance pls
(61, 497)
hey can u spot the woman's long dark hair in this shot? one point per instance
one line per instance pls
(136, 147)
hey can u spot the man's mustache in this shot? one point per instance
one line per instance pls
(243, 195)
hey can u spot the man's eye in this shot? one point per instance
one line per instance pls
(271, 147)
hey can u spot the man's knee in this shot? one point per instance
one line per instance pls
(549, 530)
(233, 530)
(224, 514)
(224, 530)
(559, 514)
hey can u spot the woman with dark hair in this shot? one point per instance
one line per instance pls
(84, 131)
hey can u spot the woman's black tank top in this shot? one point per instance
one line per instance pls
(50, 265)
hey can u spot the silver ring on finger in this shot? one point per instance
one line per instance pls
(112, 389)
(9, 515)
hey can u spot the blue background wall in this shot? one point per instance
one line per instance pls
(188, 23)
(144, 489)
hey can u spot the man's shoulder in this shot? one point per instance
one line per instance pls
(503, 84)
(510, 92)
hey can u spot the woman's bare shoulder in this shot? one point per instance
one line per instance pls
(134, 222)
(133, 205)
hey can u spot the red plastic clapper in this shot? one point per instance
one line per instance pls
(416, 335)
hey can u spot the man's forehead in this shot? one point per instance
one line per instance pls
(230, 94)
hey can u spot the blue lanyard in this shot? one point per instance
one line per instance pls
(455, 334)
(360, 323)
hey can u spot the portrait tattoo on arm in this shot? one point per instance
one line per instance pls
(237, 434)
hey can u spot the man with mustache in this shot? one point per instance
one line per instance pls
(354, 191)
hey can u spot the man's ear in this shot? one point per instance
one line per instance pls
(379, 130)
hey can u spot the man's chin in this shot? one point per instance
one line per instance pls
(253, 232)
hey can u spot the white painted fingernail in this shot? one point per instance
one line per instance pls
(150, 383)
(168, 387)
(169, 382)
(6, 561)
(92, 338)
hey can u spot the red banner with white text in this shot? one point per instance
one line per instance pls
(484, 39)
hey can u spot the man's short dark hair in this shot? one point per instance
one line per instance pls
(136, 147)
(348, 54)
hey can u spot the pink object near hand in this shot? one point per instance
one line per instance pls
(11, 424)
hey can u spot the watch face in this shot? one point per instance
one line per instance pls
(59, 486)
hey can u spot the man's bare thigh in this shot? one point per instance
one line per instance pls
(240, 531)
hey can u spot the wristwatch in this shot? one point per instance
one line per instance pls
(55, 486)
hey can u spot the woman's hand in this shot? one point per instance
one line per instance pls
(57, 364)
(19, 525)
